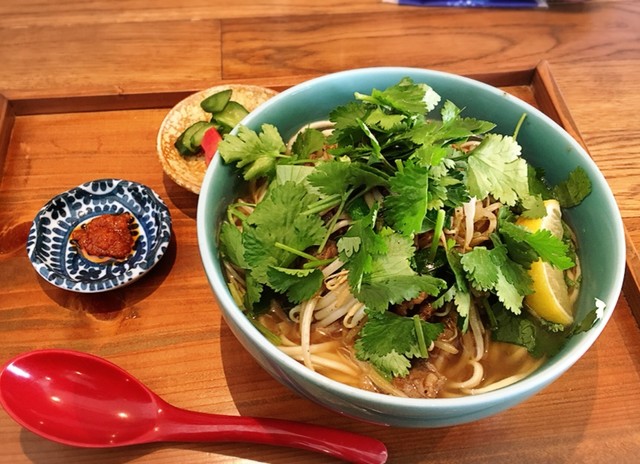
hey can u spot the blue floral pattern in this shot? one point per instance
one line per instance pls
(60, 262)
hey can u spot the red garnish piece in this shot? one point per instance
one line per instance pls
(210, 140)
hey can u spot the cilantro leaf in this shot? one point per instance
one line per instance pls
(347, 134)
(293, 173)
(462, 295)
(481, 268)
(374, 149)
(390, 341)
(378, 292)
(308, 142)
(574, 189)
(386, 122)
(459, 127)
(495, 168)
(514, 329)
(406, 205)
(299, 284)
(533, 207)
(405, 97)
(331, 178)
(546, 245)
(348, 246)
(253, 295)
(446, 186)
(530, 332)
(254, 153)
(358, 246)
(339, 176)
(391, 279)
(537, 184)
(279, 218)
(492, 271)
(519, 250)
(452, 127)
(231, 244)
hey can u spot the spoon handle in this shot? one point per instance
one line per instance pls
(192, 426)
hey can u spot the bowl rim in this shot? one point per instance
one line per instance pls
(523, 388)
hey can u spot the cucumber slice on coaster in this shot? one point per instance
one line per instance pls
(187, 137)
(216, 102)
(231, 115)
(180, 146)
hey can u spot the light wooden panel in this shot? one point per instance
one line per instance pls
(109, 58)
(465, 42)
(22, 13)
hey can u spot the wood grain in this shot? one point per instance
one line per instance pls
(114, 58)
(7, 116)
(509, 39)
(25, 13)
(86, 85)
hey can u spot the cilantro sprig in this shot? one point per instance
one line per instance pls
(390, 342)
(256, 154)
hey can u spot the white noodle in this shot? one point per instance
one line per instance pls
(469, 215)
(477, 330)
(327, 300)
(339, 298)
(475, 379)
(369, 199)
(286, 342)
(295, 350)
(344, 295)
(233, 274)
(504, 382)
(340, 224)
(353, 320)
(331, 268)
(321, 361)
(305, 331)
(294, 313)
(446, 347)
(335, 280)
(332, 316)
(446, 309)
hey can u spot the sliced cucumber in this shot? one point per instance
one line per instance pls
(216, 102)
(180, 146)
(187, 136)
(231, 115)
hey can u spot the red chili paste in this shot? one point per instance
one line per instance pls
(106, 236)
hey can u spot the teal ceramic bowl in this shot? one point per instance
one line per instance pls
(596, 222)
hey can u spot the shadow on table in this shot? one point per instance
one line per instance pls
(117, 303)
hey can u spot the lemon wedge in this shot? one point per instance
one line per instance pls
(550, 298)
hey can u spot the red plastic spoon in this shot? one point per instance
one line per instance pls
(82, 400)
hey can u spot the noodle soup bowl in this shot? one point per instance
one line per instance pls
(596, 222)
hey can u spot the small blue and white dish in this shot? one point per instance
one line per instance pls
(61, 263)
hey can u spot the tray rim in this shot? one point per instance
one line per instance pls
(540, 78)
(122, 101)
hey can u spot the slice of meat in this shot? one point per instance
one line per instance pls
(423, 381)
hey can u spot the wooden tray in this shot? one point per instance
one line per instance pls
(166, 328)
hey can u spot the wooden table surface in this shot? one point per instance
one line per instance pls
(166, 328)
